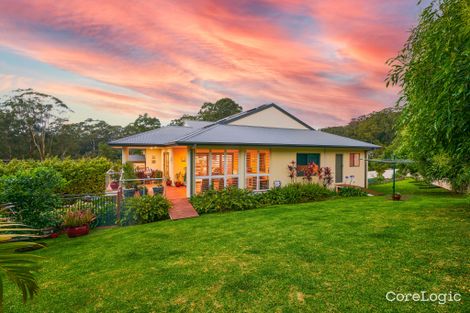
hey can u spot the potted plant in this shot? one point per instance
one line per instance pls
(157, 190)
(178, 182)
(114, 185)
(77, 223)
(129, 191)
(115, 176)
(396, 196)
(168, 182)
(142, 190)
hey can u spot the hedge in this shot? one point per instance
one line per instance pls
(234, 199)
(83, 176)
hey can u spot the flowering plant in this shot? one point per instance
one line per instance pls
(292, 171)
(78, 218)
(311, 170)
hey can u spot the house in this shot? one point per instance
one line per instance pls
(251, 149)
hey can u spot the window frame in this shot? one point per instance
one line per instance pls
(352, 159)
(301, 173)
(225, 176)
(258, 175)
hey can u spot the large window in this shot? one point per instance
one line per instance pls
(257, 169)
(216, 168)
(354, 160)
(304, 159)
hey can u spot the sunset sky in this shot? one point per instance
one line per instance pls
(322, 60)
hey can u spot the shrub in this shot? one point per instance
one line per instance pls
(129, 173)
(351, 192)
(145, 209)
(33, 192)
(295, 193)
(82, 176)
(228, 199)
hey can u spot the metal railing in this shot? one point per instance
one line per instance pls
(106, 207)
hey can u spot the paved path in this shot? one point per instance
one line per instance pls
(181, 206)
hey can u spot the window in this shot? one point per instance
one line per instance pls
(304, 159)
(202, 162)
(257, 169)
(354, 159)
(215, 168)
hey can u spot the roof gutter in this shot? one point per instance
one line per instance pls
(187, 143)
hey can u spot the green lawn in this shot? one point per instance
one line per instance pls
(339, 255)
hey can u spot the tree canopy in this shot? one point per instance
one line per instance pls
(33, 115)
(376, 127)
(212, 112)
(433, 71)
(35, 125)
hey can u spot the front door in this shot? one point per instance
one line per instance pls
(339, 168)
(166, 165)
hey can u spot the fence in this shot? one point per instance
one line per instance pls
(104, 206)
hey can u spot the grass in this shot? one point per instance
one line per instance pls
(340, 255)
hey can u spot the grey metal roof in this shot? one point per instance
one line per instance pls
(266, 136)
(157, 137)
(221, 133)
(197, 124)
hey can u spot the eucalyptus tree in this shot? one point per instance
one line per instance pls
(433, 72)
(38, 115)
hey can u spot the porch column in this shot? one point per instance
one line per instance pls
(125, 154)
(241, 168)
(171, 165)
(189, 174)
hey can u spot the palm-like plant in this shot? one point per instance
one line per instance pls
(19, 268)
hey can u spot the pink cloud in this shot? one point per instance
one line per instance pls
(175, 56)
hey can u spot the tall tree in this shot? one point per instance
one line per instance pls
(141, 124)
(211, 112)
(218, 110)
(37, 114)
(433, 72)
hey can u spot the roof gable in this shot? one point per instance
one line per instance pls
(268, 115)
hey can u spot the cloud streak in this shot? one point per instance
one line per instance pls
(322, 60)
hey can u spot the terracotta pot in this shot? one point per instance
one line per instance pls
(78, 231)
(178, 184)
(114, 185)
(396, 197)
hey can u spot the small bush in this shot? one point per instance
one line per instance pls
(295, 193)
(228, 199)
(145, 209)
(34, 192)
(351, 192)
